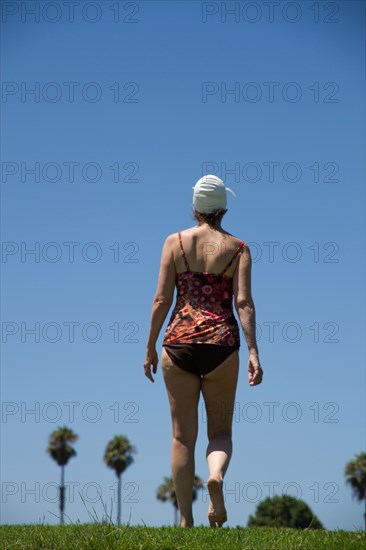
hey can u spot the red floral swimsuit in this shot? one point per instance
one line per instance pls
(203, 311)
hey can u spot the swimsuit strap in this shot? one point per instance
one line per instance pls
(183, 253)
(242, 243)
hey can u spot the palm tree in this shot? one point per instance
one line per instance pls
(61, 452)
(118, 456)
(355, 473)
(166, 492)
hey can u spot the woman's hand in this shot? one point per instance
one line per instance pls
(255, 372)
(150, 359)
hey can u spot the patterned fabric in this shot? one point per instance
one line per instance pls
(203, 311)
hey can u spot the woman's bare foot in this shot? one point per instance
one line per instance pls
(217, 511)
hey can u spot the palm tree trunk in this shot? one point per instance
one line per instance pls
(175, 516)
(119, 503)
(62, 494)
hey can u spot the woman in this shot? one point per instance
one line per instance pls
(208, 266)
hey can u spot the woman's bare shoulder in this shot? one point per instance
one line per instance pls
(169, 240)
(237, 240)
(234, 241)
(195, 231)
(172, 238)
(182, 231)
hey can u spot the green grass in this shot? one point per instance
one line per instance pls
(106, 536)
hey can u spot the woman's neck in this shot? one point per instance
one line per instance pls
(210, 226)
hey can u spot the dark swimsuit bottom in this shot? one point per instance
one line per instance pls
(199, 359)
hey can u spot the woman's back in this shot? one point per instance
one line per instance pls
(203, 310)
(206, 250)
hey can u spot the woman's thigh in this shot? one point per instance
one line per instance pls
(183, 392)
(218, 389)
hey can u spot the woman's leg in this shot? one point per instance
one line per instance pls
(183, 392)
(218, 389)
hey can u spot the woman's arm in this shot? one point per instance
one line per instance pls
(244, 306)
(164, 293)
(243, 300)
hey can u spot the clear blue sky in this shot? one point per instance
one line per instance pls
(294, 133)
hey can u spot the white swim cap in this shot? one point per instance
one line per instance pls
(210, 194)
